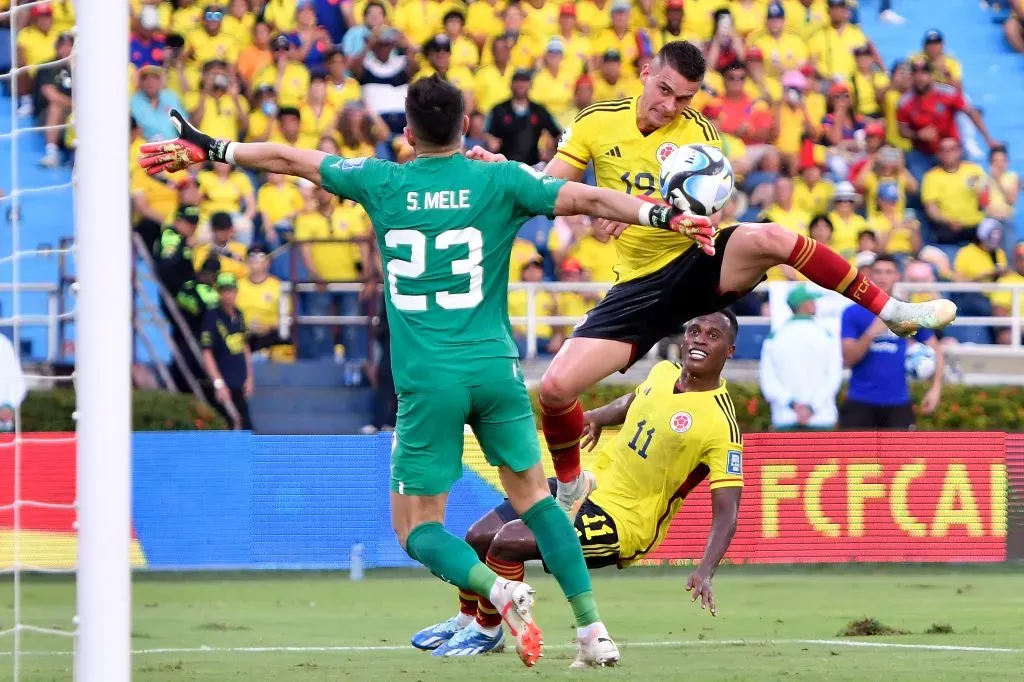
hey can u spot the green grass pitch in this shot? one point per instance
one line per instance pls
(773, 624)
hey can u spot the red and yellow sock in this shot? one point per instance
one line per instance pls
(563, 429)
(487, 616)
(825, 267)
(468, 603)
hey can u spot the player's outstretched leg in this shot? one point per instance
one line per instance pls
(484, 634)
(580, 363)
(453, 560)
(558, 544)
(515, 544)
(478, 537)
(752, 249)
(476, 628)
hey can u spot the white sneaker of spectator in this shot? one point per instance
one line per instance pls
(25, 107)
(890, 17)
(51, 159)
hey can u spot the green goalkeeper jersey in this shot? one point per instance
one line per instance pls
(445, 226)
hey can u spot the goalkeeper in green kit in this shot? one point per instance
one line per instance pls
(445, 225)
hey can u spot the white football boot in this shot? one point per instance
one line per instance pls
(515, 604)
(571, 495)
(596, 650)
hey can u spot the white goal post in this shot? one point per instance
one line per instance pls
(103, 342)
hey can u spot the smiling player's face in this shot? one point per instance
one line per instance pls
(666, 94)
(707, 344)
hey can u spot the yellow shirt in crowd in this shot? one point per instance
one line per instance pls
(222, 194)
(956, 193)
(279, 202)
(294, 83)
(844, 233)
(832, 50)
(260, 303)
(972, 262)
(37, 47)
(160, 192)
(220, 114)
(545, 307)
(233, 261)
(523, 252)
(814, 200)
(335, 262)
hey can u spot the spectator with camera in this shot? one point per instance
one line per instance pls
(384, 69)
(286, 75)
(218, 106)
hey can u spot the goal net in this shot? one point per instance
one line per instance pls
(71, 216)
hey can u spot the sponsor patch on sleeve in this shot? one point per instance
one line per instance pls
(350, 164)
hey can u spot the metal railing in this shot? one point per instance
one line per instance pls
(291, 317)
(52, 319)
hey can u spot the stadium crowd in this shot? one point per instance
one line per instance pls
(825, 137)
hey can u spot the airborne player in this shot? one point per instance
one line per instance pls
(677, 428)
(445, 226)
(665, 279)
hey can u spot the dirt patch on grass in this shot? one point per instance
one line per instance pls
(869, 627)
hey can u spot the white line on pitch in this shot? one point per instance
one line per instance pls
(624, 645)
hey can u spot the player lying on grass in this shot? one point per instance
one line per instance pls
(678, 428)
(445, 226)
(664, 279)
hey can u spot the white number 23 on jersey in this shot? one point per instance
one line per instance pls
(417, 265)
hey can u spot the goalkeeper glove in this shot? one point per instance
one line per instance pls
(698, 228)
(192, 146)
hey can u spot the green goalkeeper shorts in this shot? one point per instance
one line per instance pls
(427, 455)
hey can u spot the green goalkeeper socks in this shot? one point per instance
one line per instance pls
(450, 558)
(560, 548)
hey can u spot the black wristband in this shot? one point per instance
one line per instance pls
(660, 216)
(216, 150)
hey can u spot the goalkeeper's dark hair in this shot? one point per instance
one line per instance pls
(435, 110)
(684, 58)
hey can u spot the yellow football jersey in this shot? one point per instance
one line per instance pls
(668, 444)
(627, 160)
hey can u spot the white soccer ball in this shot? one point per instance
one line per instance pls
(920, 362)
(697, 178)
